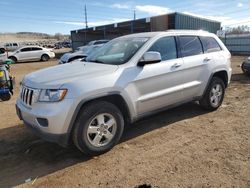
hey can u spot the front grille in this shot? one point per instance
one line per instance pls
(27, 95)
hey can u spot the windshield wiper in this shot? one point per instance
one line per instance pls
(96, 61)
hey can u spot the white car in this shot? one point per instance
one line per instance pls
(31, 53)
(82, 51)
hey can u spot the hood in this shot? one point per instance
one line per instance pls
(55, 77)
(67, 56)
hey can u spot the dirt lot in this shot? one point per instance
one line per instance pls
(182, 147)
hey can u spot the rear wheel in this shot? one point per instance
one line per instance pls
(14, 59)
(98, 128)
(45, 57)
(214, 94)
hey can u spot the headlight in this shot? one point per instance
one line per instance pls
(52, 95)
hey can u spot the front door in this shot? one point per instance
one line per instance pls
(159, 85)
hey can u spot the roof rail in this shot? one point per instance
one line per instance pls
(185, 30)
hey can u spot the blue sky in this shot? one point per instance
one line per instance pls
(52, 16)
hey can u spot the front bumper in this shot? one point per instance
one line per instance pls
(58, 116)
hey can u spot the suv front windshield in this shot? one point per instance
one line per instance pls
(117, 51)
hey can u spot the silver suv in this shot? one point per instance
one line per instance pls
(129, 78)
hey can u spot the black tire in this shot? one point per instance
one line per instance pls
(206, 102)
(5, 97)
(14, 59)
(44, 57)
(81, 137)
(247, 73)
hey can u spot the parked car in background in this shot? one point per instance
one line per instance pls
(31, 53)
(97, 42)
(11, 46)
(246, 66)
(82, 51)
(127, 79)
(64, 44)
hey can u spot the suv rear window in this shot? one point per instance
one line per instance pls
(190, 45)
(210, 44)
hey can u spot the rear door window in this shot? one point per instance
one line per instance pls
(166, 46)
(36, 49)
(190, 45)
(210, 44)
(25, 50)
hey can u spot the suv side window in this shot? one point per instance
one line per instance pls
(190, 45)
(25, 49)
(166, 46)
(210, 44)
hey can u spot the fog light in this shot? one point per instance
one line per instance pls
(43, 122)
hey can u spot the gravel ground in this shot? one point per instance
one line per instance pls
(181, 147)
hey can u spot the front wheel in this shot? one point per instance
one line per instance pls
(98, 128)
(214, 94)
(12, 58)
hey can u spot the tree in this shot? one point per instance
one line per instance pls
(59, 36)
(243, 29)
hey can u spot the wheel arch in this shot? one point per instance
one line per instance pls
(115, 98)
(13, 56)
(222, 74)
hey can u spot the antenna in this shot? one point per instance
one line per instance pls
(86, 18)
(134, 15)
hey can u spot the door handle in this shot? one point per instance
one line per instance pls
(206, 59)
(176, 65)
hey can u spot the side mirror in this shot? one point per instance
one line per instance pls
(150, 58)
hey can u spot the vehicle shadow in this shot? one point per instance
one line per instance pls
(24, 156)
(240, 78)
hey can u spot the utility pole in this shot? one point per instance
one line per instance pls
(86, 17)
(86, 24)
(133, 22)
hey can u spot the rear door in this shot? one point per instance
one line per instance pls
(196, 66)
(36, 53)
(24, 54)
(160, 84)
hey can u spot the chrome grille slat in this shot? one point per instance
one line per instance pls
(27, 95)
